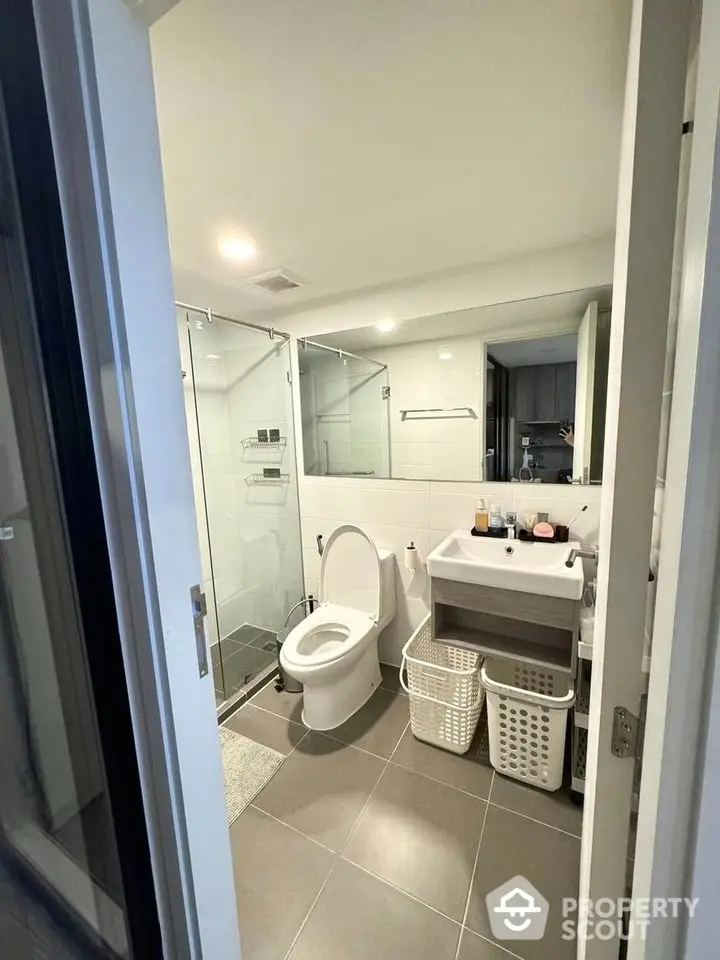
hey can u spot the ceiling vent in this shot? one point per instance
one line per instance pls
(275, 281)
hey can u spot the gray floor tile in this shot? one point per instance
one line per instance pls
(556, 809)
(466, 772)
(226, 648)
(243, 635)
(378, 726)
(473, 947)
(263, 727)
(550, 860)
(278, 874)
(421, 836)
(288, 705)
(266, 640)
(358, 917)
(321, 788)
(242, 666)
(390, 678)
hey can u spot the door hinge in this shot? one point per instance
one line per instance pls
(386, 393)
(199, 612)
(628, 732)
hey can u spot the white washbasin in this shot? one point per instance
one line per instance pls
(508, 564)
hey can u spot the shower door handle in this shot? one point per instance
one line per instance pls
(199, 612)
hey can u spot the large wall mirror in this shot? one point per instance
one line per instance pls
(507, 392)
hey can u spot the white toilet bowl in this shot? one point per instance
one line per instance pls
(333, 652)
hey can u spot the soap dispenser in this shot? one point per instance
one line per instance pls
(481, 516)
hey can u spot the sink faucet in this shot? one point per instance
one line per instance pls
(592, 554)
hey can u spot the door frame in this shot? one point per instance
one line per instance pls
(644, 247)
(99, 86)
(55, 448)
(677, 834)
(665, 762)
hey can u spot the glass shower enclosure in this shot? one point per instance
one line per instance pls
(238, 401)
(344, 407)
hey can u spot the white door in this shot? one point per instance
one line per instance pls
(647, 199)
(584, 393)
(98, 79)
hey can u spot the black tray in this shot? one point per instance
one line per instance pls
(531, 538)
(497, 533)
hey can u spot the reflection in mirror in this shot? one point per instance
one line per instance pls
(343, 398)
(511, 391)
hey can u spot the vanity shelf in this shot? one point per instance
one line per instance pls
(504, 647)
(506, 624)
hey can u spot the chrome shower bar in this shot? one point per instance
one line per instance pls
(304, 341)
(212, 315)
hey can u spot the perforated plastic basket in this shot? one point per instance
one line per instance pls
(527, 714)
(445, 692)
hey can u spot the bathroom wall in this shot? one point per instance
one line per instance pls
(432, 374)
(395, 512)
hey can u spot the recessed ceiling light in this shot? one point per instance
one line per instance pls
(385, 326)
(445, 355)
(237, 249)
(211, 356)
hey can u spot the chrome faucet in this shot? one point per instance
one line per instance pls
(592, 554)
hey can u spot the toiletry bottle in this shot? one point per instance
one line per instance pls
(481, 517)
(496, 517)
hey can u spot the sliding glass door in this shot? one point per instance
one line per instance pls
(238, 402)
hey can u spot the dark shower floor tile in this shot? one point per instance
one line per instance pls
(265, 640)
(242, 666)
(243, 635)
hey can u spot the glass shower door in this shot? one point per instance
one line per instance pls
(345, 413)
(239, 402)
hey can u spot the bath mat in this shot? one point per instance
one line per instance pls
(247, 766)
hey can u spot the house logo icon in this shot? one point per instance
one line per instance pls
(517, 911)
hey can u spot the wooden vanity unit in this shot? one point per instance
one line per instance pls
(508, 624)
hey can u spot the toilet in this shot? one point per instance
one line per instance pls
(334, 651)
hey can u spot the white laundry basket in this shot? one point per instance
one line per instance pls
(527, 715)
(445, 691)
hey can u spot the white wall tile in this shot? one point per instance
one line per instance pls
(394, 512)
(457, 511)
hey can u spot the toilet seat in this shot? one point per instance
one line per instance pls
(334, 651)
(330, 633)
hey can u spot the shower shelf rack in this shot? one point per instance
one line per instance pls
(252, 443)
(265, 480)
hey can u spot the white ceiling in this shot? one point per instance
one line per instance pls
(363, 144)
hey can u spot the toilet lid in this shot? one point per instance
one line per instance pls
(350, 570)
